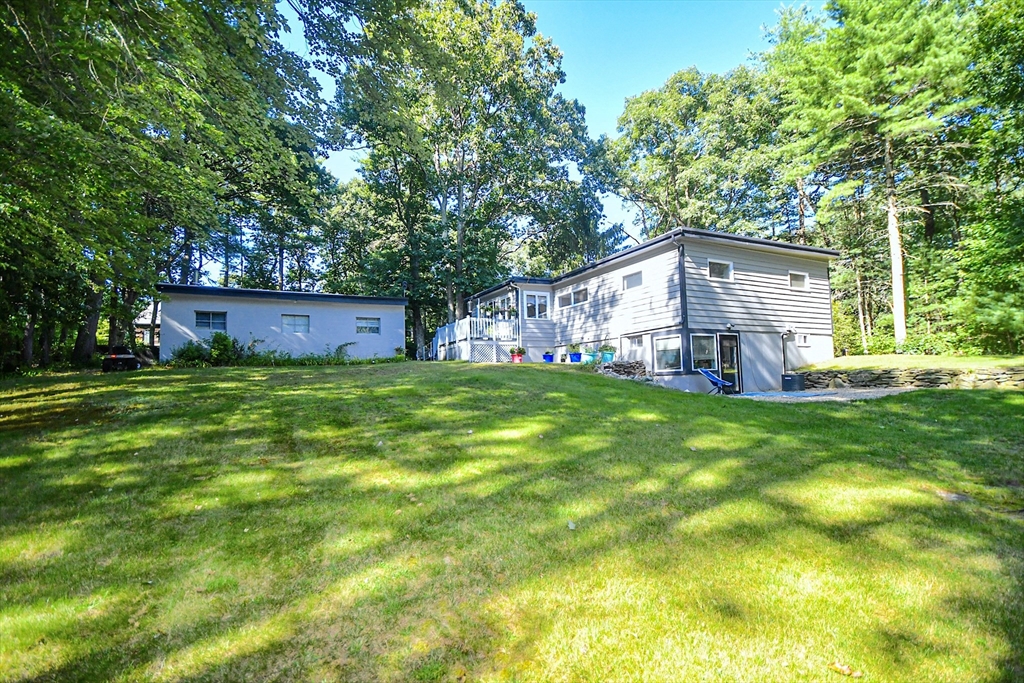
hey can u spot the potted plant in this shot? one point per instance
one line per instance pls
(590, 355)
(607, 353)
(517, 354)
(549, 356)
(574, 352)
(512, 313)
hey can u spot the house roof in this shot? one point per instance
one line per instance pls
(279, 295)
(741, 240)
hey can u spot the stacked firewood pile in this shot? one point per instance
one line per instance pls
(624, 369)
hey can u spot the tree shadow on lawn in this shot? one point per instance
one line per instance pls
(346, 524)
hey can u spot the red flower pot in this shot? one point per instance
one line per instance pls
(517, 358)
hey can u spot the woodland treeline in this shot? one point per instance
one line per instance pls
(159, 140)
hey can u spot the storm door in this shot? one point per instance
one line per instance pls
(729, 361)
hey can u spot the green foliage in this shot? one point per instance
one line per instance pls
(699, 152)
(845, 333)
(221, 349)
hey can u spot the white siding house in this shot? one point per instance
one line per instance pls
(686, 300)
(293, 322)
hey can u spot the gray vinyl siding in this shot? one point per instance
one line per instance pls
(610, 312)
(538, 335)
(759, 299)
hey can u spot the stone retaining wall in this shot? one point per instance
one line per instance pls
(996, 378)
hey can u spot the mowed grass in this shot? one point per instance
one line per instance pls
(410, 522)
(913, 362)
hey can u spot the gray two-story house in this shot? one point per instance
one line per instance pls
(737, 306)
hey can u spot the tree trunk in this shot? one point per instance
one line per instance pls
(186, 259)
(929, 215)
(46, 343)
(861, 315)
(801, 216)
(27, 355)
(152, 324)
(85, 341)
(280, 265)
(419, 333)
(113, 330)
(227, 257)
(899, 301)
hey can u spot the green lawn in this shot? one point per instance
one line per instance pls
(892, 360)
(411, 522)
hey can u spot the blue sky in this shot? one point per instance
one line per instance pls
(614, 49)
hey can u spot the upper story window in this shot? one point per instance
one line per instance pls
(537, 306)
(720, 270)
(295, 323)
(367, 325)
(799, 280)
(572, 298)
(632, 280)
(212, 320)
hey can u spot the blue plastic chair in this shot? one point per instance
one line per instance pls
(717, 383)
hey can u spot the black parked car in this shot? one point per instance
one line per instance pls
(120, 358)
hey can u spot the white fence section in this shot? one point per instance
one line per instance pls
(481, 340)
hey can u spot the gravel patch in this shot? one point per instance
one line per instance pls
(823, 395)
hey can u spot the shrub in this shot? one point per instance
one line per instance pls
(223, 350)
(191, 354)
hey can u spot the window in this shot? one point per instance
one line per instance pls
(295, 323)
(704, 352)
(798, 280)
(367, 325)
(668, 354)
(503, 305)
(719, 270)
(537, 306)
(632, 280)
(577, 297)
(636, 342)
(803, 340)
(211, 320)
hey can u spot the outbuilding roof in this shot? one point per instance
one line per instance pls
(278, 295)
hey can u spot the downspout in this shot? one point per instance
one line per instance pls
(785, 360)
(684, 317)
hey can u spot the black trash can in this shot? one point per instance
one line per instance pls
(792, 382)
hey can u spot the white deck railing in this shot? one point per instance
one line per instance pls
(476, 328)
